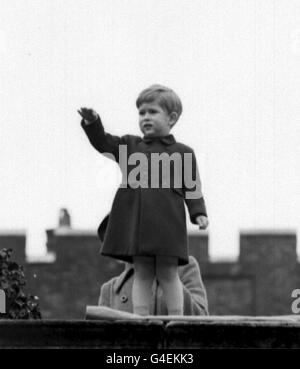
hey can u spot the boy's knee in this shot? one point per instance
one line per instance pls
(144, 275)
(144, 269)
(166, 273)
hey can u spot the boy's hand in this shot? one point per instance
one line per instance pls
(89, 115)
(202, 221)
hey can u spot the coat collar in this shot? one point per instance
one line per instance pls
(122, 278)
(166, 140)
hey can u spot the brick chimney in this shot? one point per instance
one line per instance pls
(64, 218)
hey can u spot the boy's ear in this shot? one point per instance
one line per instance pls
(173, 118)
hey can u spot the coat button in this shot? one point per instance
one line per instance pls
(124, 298)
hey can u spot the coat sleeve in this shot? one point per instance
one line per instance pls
(193, 189)
(102, 141)
(194, 293)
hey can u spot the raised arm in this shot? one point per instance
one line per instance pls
(99, 139)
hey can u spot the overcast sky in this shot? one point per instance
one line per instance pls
(235, 65)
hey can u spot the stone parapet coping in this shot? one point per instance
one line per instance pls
(65, 231)
(104, 313)
(232, 320)
(13, 232)
(267, 232)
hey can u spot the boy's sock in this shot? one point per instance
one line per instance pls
(141, 293)
(142, 285)
(173, 292)
(167, 275)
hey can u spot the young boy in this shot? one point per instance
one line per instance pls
(147, 224)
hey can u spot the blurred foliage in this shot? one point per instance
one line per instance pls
(12, 281)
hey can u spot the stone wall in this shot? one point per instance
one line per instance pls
(202, 333)
(259, 282)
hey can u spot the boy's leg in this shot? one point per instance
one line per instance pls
(168, 278)
(144, 272)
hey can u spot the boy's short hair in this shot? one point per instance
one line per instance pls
(166, 98)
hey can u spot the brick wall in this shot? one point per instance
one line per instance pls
(259, 282)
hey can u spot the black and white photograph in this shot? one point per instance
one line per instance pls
(149, 177)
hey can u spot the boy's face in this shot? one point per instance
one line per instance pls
(154, 121)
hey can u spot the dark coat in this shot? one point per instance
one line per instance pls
(117, 293)
(146, 221)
